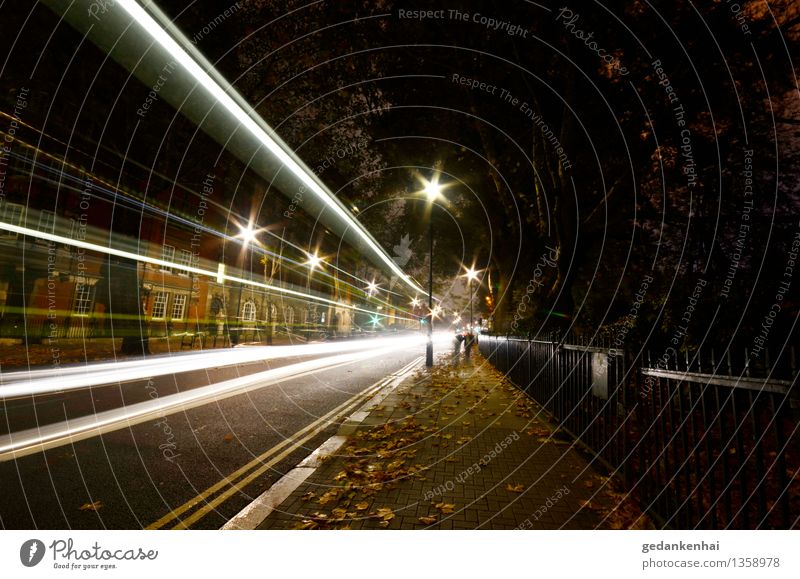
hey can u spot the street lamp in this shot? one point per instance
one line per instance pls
(471, 274)
(248, 235)
(314, 261)
(432, 190)
(372, 287)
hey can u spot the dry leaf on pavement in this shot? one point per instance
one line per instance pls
(517, 488)
(95, 506)
(444, 508)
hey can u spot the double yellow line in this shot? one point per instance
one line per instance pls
(239, 479)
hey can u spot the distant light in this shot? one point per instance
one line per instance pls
(247, 234)
(372, 287)
(415, 302)
(433, 189)
(355, 208)
(380, 307)
(472, 274)
(314, 261)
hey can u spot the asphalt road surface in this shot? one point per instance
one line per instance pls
(182, 463)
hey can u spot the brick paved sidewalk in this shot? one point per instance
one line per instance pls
(456, 448)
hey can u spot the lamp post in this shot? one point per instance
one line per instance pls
(313, 262)
(471, 275)
(248, 235)
(432, 190)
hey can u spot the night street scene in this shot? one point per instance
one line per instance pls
(521, 266)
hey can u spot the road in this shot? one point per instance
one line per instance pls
(142, 471)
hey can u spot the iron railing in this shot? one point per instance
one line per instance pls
(700, 449)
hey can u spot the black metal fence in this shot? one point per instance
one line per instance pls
(708, 449)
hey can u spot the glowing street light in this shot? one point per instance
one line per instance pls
(415, 302)
(247, 234)
(433, 190)
(472, 274)
(372, 287)
(314, 261)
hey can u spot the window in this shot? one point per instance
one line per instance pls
(47, 220)
(160, 305)
(249, 311)
(167, 254)
(178, 306)
(82, 303)
(11, 214)
(185, 257)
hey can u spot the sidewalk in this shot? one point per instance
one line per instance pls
(456, 448)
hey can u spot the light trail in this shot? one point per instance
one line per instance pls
(47, 381)
(171, 41)
(219, 275)
(34, 440)
(113, 194)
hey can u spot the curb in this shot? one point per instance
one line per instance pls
(256, 512)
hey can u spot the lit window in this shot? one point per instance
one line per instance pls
(186, 258)
(11, 214)
(47, 220)
(160, 305)
(167, 254)
(82, 304)
(178, 306)
(249, 311)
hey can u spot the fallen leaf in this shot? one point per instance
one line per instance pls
(95, 506)
(385, 513)
(517, 488)
(329, 497)
(306, 525)
(444, 508)
(362, 506)
(427, 520)
(227, 438)
(308, 496)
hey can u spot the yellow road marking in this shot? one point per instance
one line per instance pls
(314, 428)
